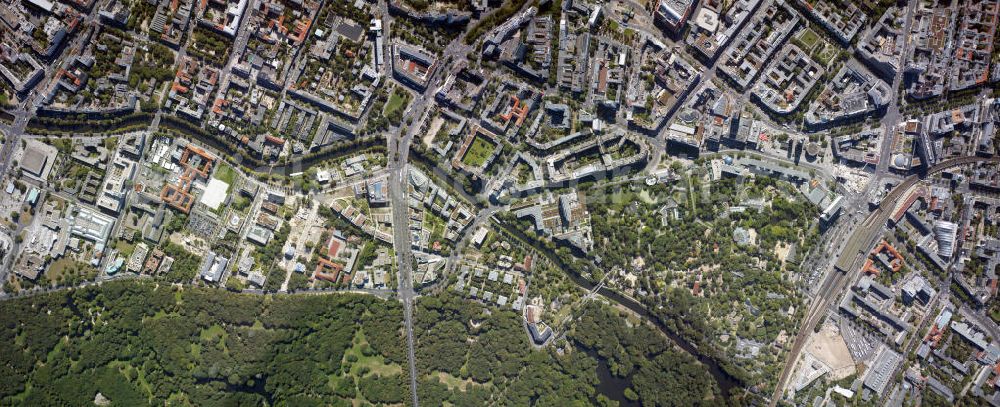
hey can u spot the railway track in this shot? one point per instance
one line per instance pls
(851, 257)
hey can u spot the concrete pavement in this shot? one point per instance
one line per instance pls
(862, 239)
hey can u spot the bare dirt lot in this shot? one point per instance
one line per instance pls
(829, 347)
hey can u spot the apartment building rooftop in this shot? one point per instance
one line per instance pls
(751, 51)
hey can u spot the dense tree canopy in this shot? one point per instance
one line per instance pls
(644, 355)
(490, 347)
(138, 343)
(672, 239)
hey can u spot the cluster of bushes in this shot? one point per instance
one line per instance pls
(68, 125)
(497, 17)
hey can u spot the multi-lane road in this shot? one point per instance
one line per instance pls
(239, 44)
(399, 148)
(862, 235)
(12, 134)
(849, 261)
(858, 236)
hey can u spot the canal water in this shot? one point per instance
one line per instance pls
(611, 386)
(726, 382)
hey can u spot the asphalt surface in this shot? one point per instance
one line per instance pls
(399, 147)
(239, 44)
(12, 139)
(860, 233)
(862, 239)
(852, 232)
(399, 150)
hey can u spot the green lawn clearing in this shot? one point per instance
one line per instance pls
(480, 150)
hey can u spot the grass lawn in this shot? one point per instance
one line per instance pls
(226, 174)
(646, 197)
(807, 39)
(613, 25)
(396, 103)
(124, 247)
(825, 55)
(368, 365)
(68, 268)
(454, 382)
(478, 152)
(435, 224)
(128, 371)
(215, 333)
